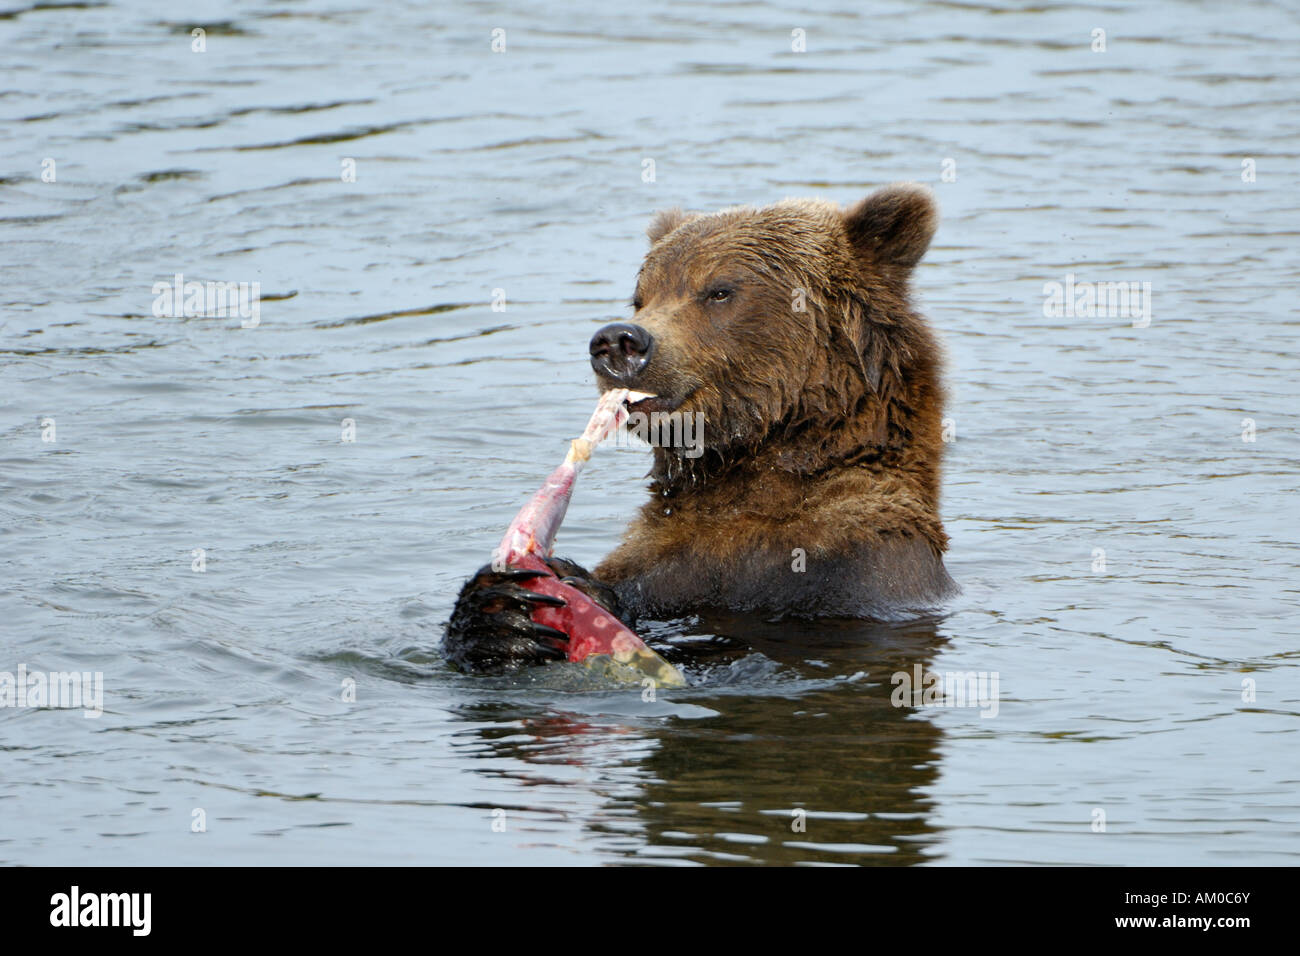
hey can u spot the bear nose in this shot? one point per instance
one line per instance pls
(621, 351)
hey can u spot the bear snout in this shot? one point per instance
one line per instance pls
(621, 352)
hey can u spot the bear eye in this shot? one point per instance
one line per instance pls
(719, 293)
(636, 303)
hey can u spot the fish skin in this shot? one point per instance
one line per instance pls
(591, 628)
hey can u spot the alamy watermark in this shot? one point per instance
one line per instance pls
(1107, 300)
(683, 430)
(214, 300)
(75, 908)
(62, 689)
(920, 688)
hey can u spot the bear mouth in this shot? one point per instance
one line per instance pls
(646, 403)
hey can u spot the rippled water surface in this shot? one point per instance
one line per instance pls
(1159, 690)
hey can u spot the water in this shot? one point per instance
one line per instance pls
(1121, 691)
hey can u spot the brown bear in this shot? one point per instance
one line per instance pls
(788, 331)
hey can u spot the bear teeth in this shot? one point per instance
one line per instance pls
(639, 396)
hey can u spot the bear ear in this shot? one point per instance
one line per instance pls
(666, 220)
(893, 226)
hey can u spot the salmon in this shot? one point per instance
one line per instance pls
(597, 638)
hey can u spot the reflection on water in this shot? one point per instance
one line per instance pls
(1121, 499)
(759, 786)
